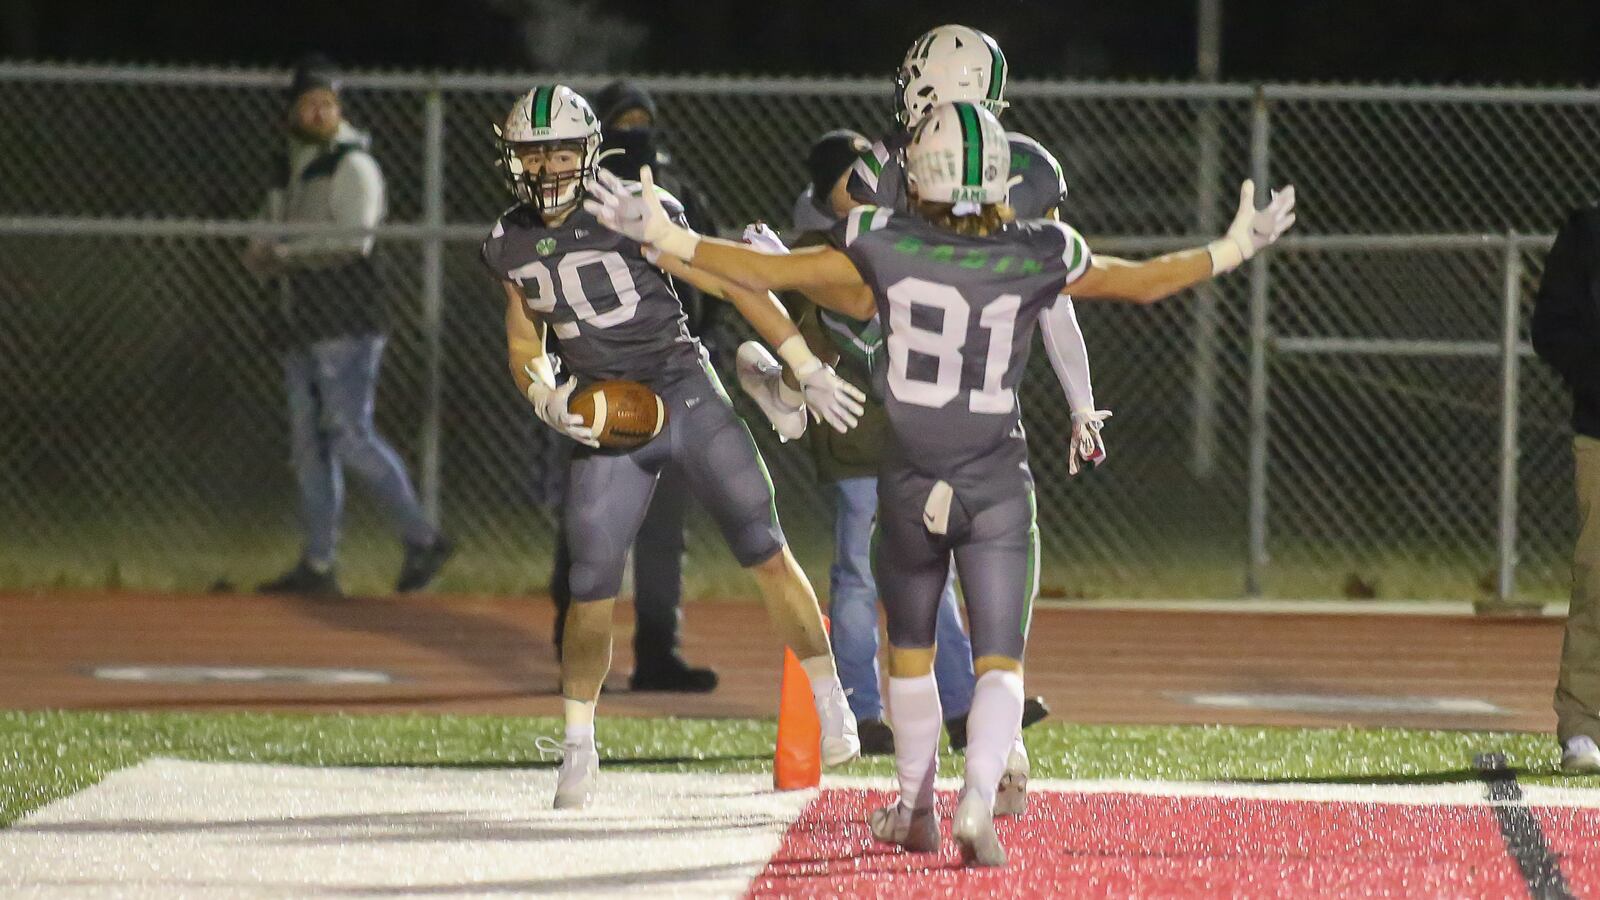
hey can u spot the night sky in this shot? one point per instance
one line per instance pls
(1472, 41)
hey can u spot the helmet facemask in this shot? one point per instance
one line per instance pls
(546, 191)
(550, 118)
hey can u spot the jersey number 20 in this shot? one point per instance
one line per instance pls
(947, 345)
(543, 298)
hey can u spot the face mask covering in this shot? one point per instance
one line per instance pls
(626, 151)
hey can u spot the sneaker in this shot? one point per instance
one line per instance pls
(760, 376)
(580, 769)
(304, 580)
(1580, 756)
(840, 742)
(877, 738)
(1012, 797)
(1034, 709)
(672, 676)
(973, 830)
(422, 564)
(917, 830)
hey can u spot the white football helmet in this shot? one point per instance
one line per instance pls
(950, 63)
(959, 155)
(551, 113)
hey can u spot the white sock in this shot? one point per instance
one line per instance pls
(822, 675)
(1018, 749)
(993, 727)
(916, 718)
(580, 720)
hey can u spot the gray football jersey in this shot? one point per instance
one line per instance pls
(878, 176)
(960, 313)
(615, 314)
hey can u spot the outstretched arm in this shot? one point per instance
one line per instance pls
(1110, 278)
(760, 308)
(830, 398)
(824, 273)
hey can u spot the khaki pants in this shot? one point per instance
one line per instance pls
(1577, 701)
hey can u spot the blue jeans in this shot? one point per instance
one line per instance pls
(331, 387)
(853, 606)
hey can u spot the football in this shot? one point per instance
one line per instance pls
(623, 414)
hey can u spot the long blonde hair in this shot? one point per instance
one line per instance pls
(991, 217)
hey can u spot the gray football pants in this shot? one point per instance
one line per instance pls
(996, 550)
(608, 492)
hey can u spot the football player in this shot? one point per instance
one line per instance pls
(617, 317)
(960, 286)
(954, 63)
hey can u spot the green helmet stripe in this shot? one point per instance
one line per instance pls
(997, 72)
(972, 144)
(541, 106)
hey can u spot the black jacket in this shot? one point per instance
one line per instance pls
(1566, 315)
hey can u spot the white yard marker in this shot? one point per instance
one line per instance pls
(240, 674)
(168, 828)
(1344, 703)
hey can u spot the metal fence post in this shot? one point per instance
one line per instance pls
(1256, 561)
(432, 292)
(1203, 387)
(1510, 366)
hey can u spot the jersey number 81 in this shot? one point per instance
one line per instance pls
(948, 344)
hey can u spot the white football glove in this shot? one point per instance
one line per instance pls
(1252, 228)
(550, 404)
(1088, 447)
(639, 216)
(830, 398)
(760, 236)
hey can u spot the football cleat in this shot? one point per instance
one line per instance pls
(1580, 756)
(840, 742)
(917, 830)
(1012, 797)
(761, 378)
(580, 769)
(973, 830)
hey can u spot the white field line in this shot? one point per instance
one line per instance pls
(1332, 606)
(1462, 793)
(168, 828)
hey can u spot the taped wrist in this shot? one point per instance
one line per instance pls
(1227, 254)
(798, 357)
(680, 242)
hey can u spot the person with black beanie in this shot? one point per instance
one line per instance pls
(331, 333)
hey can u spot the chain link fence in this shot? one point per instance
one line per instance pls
(1341, 418)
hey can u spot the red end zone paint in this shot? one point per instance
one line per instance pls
(1120, 844)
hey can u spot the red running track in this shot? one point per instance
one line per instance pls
(1119, 845)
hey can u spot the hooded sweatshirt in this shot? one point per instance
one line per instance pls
(331, 284)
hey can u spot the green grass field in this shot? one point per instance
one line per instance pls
(47, 755)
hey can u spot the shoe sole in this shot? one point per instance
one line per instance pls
(917, 840)
(751, 379)
(974, 834)
(570, 802)
(1582, 765)
(1012, 797)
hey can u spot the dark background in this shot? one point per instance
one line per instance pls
(1473, 41)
